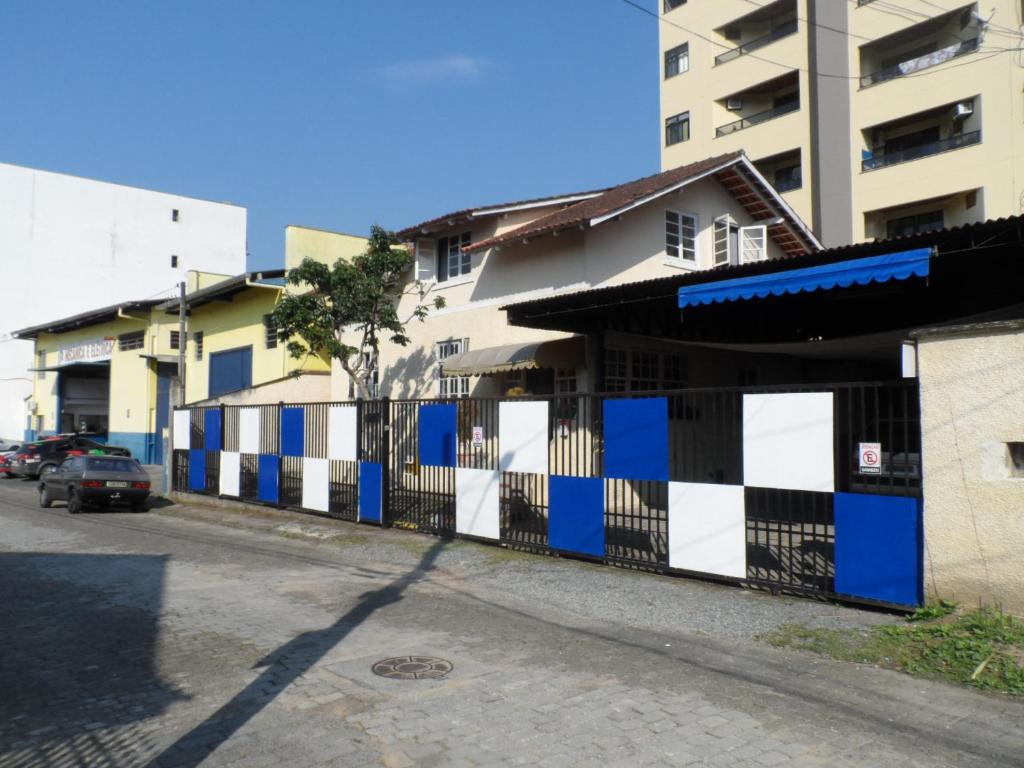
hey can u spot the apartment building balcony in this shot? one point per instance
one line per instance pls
(758, 29)
(761, 103)
(952, 126)
(783, 171)
(922, 46)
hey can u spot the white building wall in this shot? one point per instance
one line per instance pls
(68, 245)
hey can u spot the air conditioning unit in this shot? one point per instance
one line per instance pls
(734, 105)
(963, 110)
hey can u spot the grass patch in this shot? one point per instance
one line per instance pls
(983, 648)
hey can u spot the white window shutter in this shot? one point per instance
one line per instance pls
(753, 244)
(426, 261)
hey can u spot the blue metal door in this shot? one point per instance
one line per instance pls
(164, 373)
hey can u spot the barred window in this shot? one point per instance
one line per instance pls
(633, 370)
(175, 340)
(41, 364)
(269, 332)
(198, 338)
(129, 341)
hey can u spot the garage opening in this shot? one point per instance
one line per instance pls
(85, 398)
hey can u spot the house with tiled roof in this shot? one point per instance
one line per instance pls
(707, 214)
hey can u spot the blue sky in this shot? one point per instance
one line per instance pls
(332, 114)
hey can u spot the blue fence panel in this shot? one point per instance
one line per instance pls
(438, 439)
(293, 431)
(268, 478)
(878, 547)
(371, 484)
(212, 429)
(636, 438)
(197, 469)
(576, 515)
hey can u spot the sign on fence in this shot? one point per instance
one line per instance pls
(871, 458)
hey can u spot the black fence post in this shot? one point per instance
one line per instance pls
(280, 447)
(385, 460)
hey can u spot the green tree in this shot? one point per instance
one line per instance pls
(345, 311)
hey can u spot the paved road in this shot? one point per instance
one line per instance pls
(167, 639)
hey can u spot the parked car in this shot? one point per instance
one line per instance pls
(35, 459)
(5, 461)
(102, 480)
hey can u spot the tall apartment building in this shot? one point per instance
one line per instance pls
(69, 245)
(874, 118)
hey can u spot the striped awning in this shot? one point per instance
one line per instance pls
(842, 274)
(515, 357)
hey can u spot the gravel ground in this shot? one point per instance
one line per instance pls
(589, 591)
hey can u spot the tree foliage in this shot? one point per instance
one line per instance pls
(345, 311)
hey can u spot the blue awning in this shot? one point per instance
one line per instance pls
(873, 269)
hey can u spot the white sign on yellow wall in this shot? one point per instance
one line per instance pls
(90, 351)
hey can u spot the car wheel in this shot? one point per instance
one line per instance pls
(47, 469)
(44, 497)
(74, 502)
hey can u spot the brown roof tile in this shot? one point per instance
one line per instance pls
(611, 200)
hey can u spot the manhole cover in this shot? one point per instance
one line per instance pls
(412, 668)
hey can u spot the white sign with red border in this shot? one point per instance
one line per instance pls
(871, 458)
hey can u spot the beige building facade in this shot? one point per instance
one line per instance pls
(710, 213)
(972, 424)
(873, 119)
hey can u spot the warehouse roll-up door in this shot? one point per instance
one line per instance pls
(85, 399)
(230, 371)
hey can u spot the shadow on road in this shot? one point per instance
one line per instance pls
(283, 666)
(76, 670)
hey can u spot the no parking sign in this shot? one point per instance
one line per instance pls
(871, 458)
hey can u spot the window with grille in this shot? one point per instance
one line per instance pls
(41, 364)
(677, 60)
(126, 342)
(175, 340)
(452, 261)
(632, 370)
(269, 332)
(681, 236)
(451, 386)
(565, 381)
(198, 338)
(677, 128)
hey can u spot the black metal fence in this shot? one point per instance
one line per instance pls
(790, 535)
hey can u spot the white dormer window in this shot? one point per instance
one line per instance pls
(681, 236)
(452, 261)
(753, 243)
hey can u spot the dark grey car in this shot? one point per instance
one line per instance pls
(101, 480)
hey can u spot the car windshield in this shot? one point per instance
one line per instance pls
(113, 465)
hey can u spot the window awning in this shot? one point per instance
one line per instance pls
(843, 274)
(566, 353)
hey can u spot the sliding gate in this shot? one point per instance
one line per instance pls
(813, 490)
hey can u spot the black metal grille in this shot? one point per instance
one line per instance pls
(790, 534)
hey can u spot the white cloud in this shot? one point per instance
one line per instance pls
(435, 70)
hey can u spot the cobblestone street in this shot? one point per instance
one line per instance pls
(173, 640)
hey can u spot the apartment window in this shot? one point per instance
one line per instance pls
(668, 5)
(197, 337)
(174, 262)
(452, 261)
(175, 340)
(677, 60)
(174, 214)
(677, 129)
(904, 226)
(269, 332)
(126, 342)
(451, 386)
(788, 177)
(681, 236)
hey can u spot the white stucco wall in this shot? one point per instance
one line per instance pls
(68, 245)
(972, 404)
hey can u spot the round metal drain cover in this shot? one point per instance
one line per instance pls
(413, 668)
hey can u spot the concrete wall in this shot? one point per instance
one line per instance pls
(972, 404)
(69, 244)
(298, 388)
(318, 244)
